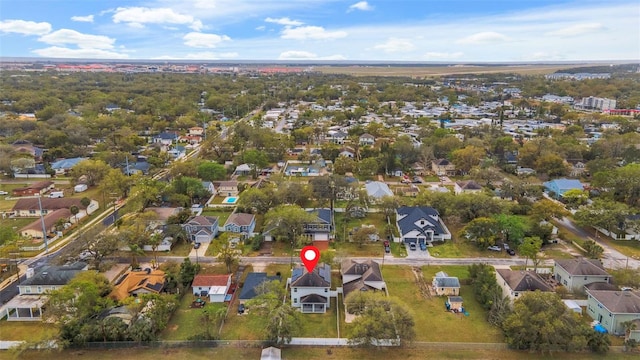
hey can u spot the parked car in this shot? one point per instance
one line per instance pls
(423, 246)
(511, 252)
(494, 248)
(241, 309)
(386, 243)
(412, 246)
(506, 246)
(387, 249)
(196, 245)
(4, 192)
(416, 180)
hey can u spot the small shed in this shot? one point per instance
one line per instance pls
(454, 303)
(573, 306)
(271, 353)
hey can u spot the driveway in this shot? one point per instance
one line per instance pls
(417, 253)
(611, 258)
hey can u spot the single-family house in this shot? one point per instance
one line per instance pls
(165, 138)
(466, 187)
(443, 167)
(26, 147)
(228, 188)
(347, 152)
(629, 229)
(516, 282)
(161, 215)
(443, 284)
(51, 222)
(558, 187)
(362, 275)
(215, 287)
(377, 190)
(612, 308)
(241, 223)
(201, 229)
(164, 245)
(37, 188)
(135, 283)
(208, 185)
(577, 168)
(319, 230)
(49, 278)
(196, 131)
(310, 291)
(420, 224)
(252, 283)
(177, 152)
(367, 140)
(31, 207)
(336, 137)
(574, 274)
(243, 170)
(63, 166)
(524, 171)
(112, 107)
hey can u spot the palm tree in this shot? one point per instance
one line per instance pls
(136, 251)
(154, 241)
(628, 326)
(228, 256)
(74, 211)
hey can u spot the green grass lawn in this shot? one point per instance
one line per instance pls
(430, 314)
(185, 321)
(346, 249)
(222, 214)
(306, 353)
(320, 325)
(398, 249)
(629, 248)
(25, 330)
(343, 228)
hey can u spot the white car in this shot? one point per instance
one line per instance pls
(494, 248)
(3, 192)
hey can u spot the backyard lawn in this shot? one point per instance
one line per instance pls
(378, 220)
(430, 314)
(185, 321)
(222, 214)
(23, 330)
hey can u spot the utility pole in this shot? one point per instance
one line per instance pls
(44, 228)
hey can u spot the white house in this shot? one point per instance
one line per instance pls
(516, 282)
(213, 286)
(310, 291)
(466, 187)
(574, 274)
(49, 278)
(420, 224)
(202, 228)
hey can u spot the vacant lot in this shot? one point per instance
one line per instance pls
(439, 70)
(430, 314)
(186, 321)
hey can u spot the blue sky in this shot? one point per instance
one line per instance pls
(383, 30)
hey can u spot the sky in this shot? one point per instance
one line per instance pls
(372, 30)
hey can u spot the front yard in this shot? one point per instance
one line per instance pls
(430, 314)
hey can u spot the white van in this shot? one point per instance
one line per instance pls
(56, 194)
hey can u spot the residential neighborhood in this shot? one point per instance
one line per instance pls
(443, 209)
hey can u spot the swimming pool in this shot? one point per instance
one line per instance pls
(230, 200)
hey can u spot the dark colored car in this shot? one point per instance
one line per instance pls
(241, 309)
(196, 245)
(511, 252)
(387, 249)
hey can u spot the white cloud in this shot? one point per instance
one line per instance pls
(83, 41)
(283, 21)
(261, 28)
(577, 29)
(138, 16)
(306, 55)
(393, 45)
(88, 18)
(443, 55)
(204, 55)
(485, 37)
(202, 40)
(362, 6)
(311, 32)
(62, 52)
(25, 27)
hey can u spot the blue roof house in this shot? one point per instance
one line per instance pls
(420, 224)
(63, 166)
(558, 187)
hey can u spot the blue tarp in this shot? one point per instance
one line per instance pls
(599, 328)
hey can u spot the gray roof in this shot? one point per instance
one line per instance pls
(368, 270)
(582, 266)
(55, 275)
(447, 282)
(320, 277)
(251, 283)
(523, 280)
(408, 216)
(378, 189)
(442, 162)
(240, 219)
(469, 185)
(313, 299)
(323, 215)
(455, 299)
(620, 302)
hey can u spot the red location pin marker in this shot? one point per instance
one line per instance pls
(310, 256)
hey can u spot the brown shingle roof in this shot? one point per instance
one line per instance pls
(210, 280)
(523, 280)
(134, 280)
(47, 204)
(582, 266)
(621, 302)
(240, 219)
(469, 185)
(203, 220)
(49, 220)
